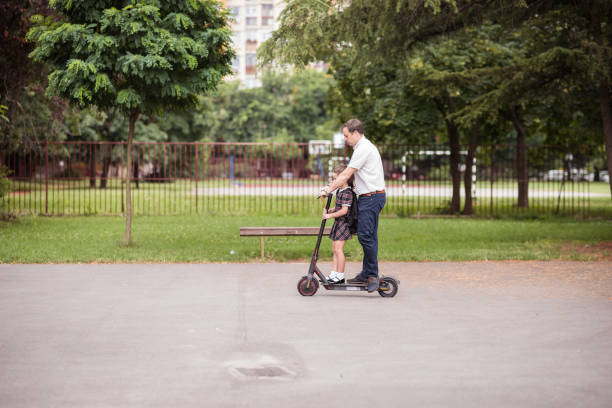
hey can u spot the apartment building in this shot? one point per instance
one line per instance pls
(254, 21)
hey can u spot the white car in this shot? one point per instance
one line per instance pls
(554, 175)
(577, 175)
(604, 176)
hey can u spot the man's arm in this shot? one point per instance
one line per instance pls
(340, 180)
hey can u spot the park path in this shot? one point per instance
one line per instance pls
(408, 190)
(502, 334)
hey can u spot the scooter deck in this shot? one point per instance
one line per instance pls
(351, 286)
(344, 286)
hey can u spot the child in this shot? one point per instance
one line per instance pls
(340, 231)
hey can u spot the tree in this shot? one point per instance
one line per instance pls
(469, 48)
(392, 94)
(572, 43)
(379, 67)
(383, 98)
(553, 62)
(287, 107)
(568, 49)
(139, 57)
(30, 115)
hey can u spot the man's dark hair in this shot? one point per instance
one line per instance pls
(353, 125)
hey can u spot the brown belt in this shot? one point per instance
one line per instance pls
(372, 193)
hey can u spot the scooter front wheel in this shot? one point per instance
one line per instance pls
(388, 287)
(307, 287)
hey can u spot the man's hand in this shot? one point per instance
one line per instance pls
(324, 192)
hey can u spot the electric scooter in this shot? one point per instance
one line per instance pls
(308, 284)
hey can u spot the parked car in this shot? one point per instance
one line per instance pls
(554, 175)
(604, 176)
(581, 175)
(577, 175)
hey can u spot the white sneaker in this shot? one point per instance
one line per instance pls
(337, 278)
(332, 275)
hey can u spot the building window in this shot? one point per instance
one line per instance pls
(235, 17)
(267, 21)
(236, 63)
(266, 10)
(251, 35)
(251, 61)
(251, 11)
(251, 21)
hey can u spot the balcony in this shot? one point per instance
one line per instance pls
(250, 45)
(250, 70)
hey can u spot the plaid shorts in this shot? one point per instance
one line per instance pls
(340, 230)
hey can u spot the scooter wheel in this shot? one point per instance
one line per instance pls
(388, 287)
(307, 288)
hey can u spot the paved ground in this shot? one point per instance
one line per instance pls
(479, 334)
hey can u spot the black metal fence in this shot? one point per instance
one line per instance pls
(83, 178)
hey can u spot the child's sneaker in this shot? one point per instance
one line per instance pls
(336, 277)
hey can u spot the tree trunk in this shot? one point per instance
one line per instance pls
(606, 116)
(469, 163)
(453, 138)
(521, 157)
(128, 177)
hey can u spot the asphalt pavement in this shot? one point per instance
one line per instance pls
(467, 334)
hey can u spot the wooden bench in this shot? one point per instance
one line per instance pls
(262, 232)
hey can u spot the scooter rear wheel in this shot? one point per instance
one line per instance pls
(307, 288)
(388, 287)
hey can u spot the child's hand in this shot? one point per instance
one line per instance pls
(325, 214)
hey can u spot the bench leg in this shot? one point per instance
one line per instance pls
(261, 247)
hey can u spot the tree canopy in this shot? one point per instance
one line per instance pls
(565, 48)
(141, 56)
(137, 56)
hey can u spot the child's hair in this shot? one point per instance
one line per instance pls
(339, 168)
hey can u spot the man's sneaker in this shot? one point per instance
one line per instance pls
(357, 279)
(337, 278)
(372, 284)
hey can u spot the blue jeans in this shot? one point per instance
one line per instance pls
(367, 231)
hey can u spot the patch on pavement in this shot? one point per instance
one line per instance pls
(258, 367)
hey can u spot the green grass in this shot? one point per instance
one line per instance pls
(213, 238)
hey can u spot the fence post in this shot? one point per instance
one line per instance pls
(122, 179)
(197, 174)
(47, 177)
(491, 178)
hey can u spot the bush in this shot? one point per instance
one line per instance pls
(4, 190)
(4, 183)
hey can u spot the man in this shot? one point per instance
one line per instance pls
(367, 167)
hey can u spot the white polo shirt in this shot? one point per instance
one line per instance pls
(370, 175)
